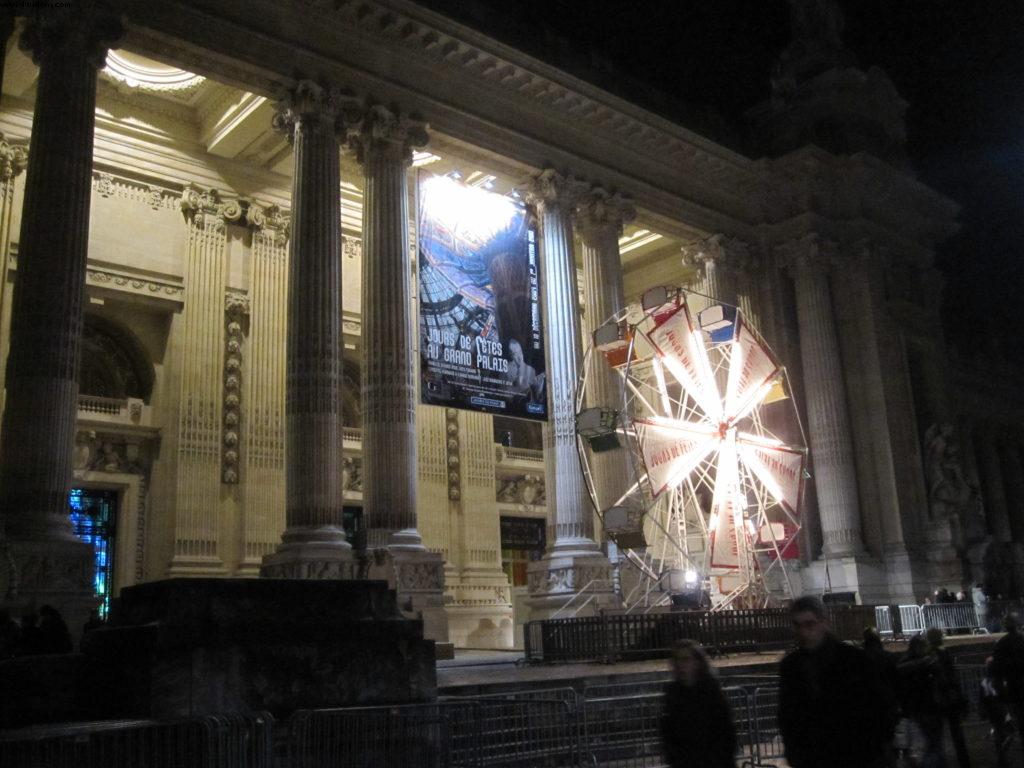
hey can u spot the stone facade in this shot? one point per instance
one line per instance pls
(211, 240)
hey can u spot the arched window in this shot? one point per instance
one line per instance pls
(114, 363)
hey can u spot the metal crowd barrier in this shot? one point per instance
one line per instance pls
(238, 741)
(625, 636)
(449, 733)
(951, 617)
(893, 621)
(883, 621)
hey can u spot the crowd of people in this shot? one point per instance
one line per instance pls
(841, 706)
(38, 633)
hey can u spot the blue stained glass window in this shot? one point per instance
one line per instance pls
(94, 521)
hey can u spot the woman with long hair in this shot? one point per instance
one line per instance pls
(696, 728)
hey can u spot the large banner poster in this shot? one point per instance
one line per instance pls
(481, 346)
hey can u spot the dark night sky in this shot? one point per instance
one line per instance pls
(960, 64)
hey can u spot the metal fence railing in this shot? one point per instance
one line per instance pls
(617, 725)
(625, 636)
(453, 733)
(236, 741)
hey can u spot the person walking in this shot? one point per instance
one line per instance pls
(834, 711)
(1008, 669)
(919, 698)
(952, 702)
(992, 708)
(696, 727)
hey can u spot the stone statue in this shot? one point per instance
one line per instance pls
(950, 493)
(816, 44)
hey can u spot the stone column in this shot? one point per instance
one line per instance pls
(828, 420)
(384, 144)
(601, 216)
(52, 565)
(313, 543)
(263, 474)
(13, 160)
(384, 149)
(201, 439)
(990, 467)
(573, 559)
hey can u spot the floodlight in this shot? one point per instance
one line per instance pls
(597, 426)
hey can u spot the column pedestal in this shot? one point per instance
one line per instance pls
(861, 574)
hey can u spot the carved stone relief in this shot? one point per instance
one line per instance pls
(236, 310)
(527, 490)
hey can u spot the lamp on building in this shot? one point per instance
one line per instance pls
(597, 426)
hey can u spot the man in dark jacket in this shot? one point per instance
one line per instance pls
(1008, 668)
(834, 711)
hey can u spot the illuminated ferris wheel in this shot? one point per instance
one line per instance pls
(697, 464)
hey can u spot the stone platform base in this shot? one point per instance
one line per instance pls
(571, 585)
(34, 573)
(861, 574)
(417, 577)
(187, 647)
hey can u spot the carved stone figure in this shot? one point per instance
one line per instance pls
(950, 493)
(508, 490)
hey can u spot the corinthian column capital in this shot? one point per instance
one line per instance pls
(309, 103)
(270, 219)
(390, 133)
(806, 255)
(599, 211)
(75, 32)
(202, 205)
(552, 189)
(13, 159)
(724, 251)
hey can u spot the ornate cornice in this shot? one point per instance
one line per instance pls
(386, 131)
(152, 195)
(600, 210)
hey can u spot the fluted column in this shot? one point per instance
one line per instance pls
(314, 544)
(46, 321)
(996, 511)
(69, 45)
(13, 160)
(384, 149)
(570, 522)
(829, 421)
(601, 217)
(263, 475)
(197, 550)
